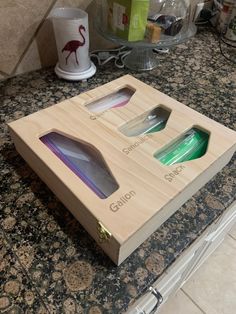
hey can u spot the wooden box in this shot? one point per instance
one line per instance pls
(144, 192)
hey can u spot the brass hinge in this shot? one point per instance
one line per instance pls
(103, 233)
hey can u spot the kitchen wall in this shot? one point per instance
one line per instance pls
(26, 36)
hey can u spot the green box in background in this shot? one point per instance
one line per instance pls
(127, 19)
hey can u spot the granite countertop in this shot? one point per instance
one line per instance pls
(48, 262)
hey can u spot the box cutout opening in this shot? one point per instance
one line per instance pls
(151, 122)
(191, 145)
(117, 99)
(85, 161)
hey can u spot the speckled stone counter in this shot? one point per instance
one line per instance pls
(48, 262)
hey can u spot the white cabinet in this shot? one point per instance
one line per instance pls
(183, 268)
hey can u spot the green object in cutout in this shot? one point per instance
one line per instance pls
(191, 146)
(150, 122)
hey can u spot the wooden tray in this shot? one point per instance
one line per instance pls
(148, 191)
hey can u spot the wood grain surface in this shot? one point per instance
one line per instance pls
(146, 196)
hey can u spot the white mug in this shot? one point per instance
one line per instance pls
(72, 39)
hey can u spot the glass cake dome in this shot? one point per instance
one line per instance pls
(144, 25)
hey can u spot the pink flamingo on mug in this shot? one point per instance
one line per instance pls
(73, 45)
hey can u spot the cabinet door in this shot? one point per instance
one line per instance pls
(212, 240)
(168, 283)
(184, 267)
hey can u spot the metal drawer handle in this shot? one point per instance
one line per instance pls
(159, 298)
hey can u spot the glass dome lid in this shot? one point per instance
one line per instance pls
(145, 24)
(152, 22)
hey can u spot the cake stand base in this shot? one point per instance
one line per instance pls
(141, 59)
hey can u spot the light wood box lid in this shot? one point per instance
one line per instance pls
(145, 196)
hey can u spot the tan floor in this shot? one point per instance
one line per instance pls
(212, 289)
